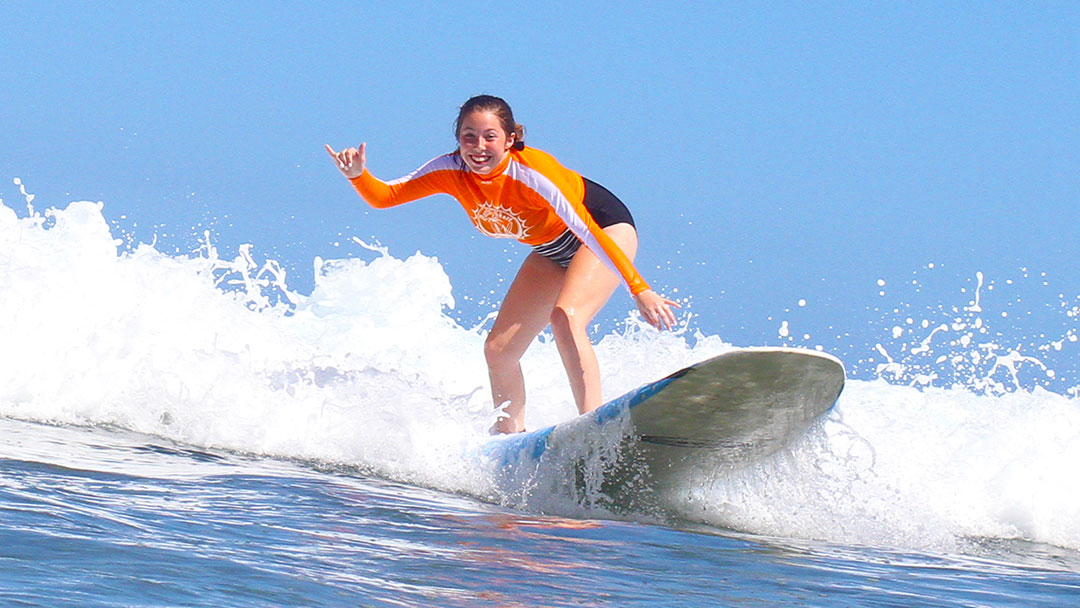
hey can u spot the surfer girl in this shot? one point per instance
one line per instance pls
(513, 191)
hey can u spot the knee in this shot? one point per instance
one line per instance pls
(496, 351)
(564, 322)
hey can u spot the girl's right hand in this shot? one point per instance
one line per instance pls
(350, 161)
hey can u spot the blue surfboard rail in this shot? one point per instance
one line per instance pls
(532, 445)
(746, 404)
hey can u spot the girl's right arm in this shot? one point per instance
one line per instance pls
(436, 176)
(352, 162)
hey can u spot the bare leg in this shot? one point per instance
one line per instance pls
(524, 314)
(587, 287)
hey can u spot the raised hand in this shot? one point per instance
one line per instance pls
(350, 161)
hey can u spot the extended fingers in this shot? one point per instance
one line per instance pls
(345, 159)
(657, 310)
(667, 312)
(339, 157)
(664, 318)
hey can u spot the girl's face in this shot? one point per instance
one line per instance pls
(482, 141)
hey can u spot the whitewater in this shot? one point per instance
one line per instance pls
(945, 444)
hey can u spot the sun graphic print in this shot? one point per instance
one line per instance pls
(499, 222)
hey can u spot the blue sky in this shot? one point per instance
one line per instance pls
(771, 152)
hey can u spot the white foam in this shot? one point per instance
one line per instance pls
(897, 466)
(368, 370)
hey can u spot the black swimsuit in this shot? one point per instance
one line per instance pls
(606, 210)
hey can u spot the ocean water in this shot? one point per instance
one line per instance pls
(188, 430)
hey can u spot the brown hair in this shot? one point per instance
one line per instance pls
(501, 110)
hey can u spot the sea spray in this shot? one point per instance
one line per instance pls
(985, 341)
(370, 373)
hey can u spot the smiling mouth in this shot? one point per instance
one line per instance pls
(480, 159)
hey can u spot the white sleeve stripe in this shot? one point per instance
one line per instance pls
(546, 189)
(439, 163)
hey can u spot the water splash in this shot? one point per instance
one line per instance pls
(368, 371)
(958, 346)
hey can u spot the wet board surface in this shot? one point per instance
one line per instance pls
(728, 410)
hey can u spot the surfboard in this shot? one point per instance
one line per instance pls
(662, 438)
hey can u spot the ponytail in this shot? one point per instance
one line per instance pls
(519, 139)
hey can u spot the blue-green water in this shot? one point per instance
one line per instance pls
(100, 517)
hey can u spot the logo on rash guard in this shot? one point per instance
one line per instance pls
(499, 222)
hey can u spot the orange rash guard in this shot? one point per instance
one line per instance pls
(529, 197)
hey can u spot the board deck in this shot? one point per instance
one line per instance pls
(730, 409)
